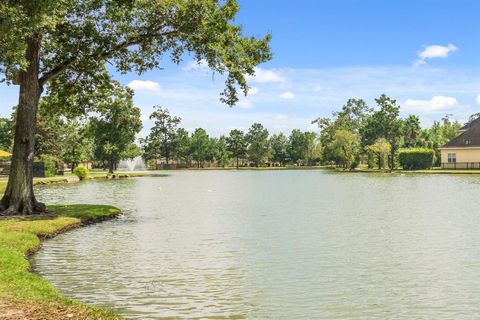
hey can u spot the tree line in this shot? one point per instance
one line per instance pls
(170, 142)
(357, 133)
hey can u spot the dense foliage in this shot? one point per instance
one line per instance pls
(6, 134)
(163, 135)
(254, 148)
(361, 134)
(416, 158)
(50, 163)
(115, 130)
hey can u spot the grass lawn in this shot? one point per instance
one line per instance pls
(426, 171)
(24, 295)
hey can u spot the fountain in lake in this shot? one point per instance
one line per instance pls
(135, 164)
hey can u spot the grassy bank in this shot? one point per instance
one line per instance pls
(24, 295)
(401, 171)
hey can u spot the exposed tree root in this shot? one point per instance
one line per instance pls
(24, 206)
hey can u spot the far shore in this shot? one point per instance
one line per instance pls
(402, 171)
(434, 170)
(71, 178)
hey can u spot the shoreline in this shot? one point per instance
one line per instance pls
(331, 168)
(26, 295)
(410, 172)
(70, 178)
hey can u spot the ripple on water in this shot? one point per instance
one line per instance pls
(278, 245)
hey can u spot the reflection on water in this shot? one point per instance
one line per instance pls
(276, 244)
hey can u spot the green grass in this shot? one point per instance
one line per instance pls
(443, 171)
(26, 295)
(426, 171)
(85, 212)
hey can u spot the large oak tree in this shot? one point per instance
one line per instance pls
(46, 44)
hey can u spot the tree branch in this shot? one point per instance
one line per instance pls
(57, 70)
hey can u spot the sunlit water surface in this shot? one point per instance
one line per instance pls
(274, 245)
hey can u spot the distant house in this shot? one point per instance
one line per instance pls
(463, 151)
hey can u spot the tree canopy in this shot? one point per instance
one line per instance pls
(237, 144)
(258, 145)
(78, 37)
(163, 134)
(115, 131)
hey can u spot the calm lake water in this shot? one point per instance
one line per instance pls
(274, 245)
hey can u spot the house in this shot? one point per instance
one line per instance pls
(463, 151)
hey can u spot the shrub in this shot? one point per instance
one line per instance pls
(81, 172)
(416, 158)
(50, 163)
(152, 164)
(354, 164)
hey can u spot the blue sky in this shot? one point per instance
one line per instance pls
(424, 53)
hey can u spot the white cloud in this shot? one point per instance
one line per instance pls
(194, 65)
(436, 104)
(317, 88)
(252, 91)
(280, 117)
(144, 85)
(287, 95)
(266, 76)
(245, 104)
(478, 99)
(434, 51)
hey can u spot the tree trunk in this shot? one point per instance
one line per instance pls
(237, 162)
(19, 196)
(392, 159)
(110, 166)
(73, 154)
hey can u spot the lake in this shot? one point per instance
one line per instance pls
(274, 245)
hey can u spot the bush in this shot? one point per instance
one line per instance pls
(50, 163)
(416, 158)
(81, 172)
(354, 164)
